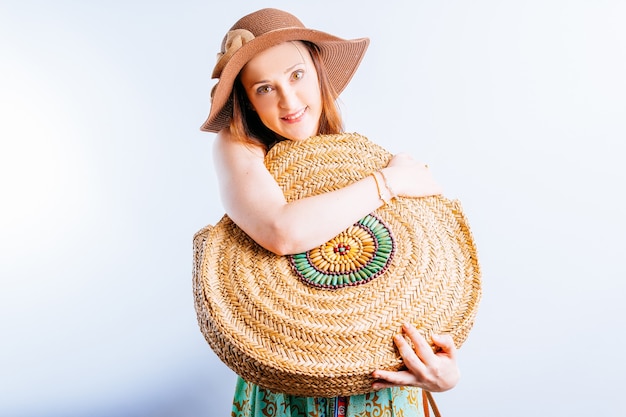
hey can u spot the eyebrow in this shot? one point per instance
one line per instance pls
(287, 70)
(293, 66)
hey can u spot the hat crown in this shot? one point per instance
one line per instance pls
(264, 21)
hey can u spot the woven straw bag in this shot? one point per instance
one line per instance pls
(318, 324)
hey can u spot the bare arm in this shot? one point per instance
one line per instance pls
(255, 202)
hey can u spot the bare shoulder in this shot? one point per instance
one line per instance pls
(238, 164)
(248, 191)
(229, 150)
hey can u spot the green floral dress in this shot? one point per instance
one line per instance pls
(253, 401)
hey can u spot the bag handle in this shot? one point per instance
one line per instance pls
(427, 399)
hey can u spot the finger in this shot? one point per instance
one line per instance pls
(445, 343)
(409, 357)
(392, 378)
(378, 385)
(421, 347)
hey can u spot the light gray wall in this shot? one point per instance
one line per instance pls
(518, 107)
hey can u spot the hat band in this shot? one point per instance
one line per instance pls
(235, 39)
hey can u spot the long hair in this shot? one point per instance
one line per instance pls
(245, 124)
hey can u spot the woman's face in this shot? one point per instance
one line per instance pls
(282, 86)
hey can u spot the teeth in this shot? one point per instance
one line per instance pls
(295, 116)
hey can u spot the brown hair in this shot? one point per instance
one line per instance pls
(245, 124)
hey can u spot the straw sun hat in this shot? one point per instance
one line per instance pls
(264, 29)
(318, 323)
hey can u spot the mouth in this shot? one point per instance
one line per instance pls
(294, 117)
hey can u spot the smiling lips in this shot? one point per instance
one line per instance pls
(294, 117)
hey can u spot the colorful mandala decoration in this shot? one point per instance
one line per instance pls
(355, 256)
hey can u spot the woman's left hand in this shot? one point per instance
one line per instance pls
(426, 369)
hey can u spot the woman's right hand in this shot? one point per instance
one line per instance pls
(407, 177)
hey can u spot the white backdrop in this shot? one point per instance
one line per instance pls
(517, 106)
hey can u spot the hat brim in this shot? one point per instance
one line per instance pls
(341, 58)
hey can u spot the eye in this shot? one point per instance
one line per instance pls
(297, 75)
(264, 89)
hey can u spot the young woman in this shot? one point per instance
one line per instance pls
(279, 81)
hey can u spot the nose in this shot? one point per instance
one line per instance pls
(288, 98)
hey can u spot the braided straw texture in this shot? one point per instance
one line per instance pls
(275, 330)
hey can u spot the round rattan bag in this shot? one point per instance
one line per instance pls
(318, 323)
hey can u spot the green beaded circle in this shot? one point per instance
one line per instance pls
(355, 256)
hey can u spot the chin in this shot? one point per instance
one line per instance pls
(299, 138)
(302, 135)
(303, 131)
(294, 136)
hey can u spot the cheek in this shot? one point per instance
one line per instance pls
(263, 107)
(314, 92)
